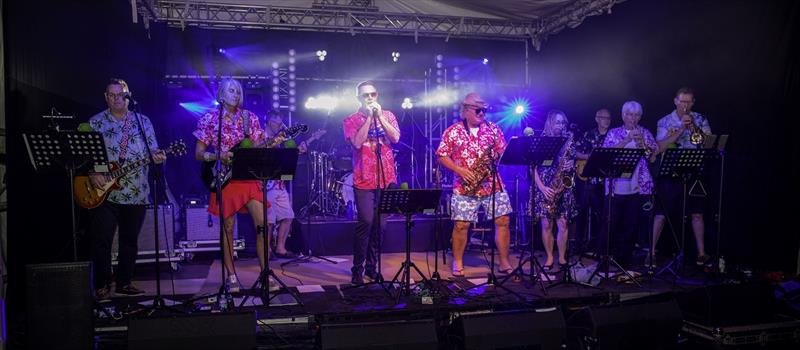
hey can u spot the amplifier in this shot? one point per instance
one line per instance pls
(166, 235)
(202, 226)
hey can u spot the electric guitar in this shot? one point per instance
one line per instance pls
(208, 172)
(88, 196)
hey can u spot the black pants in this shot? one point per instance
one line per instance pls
(367, 239)
(625, 218)
(104, 220)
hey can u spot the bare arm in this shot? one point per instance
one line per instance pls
(203, 156)
(361, 135)
(465, 173)
(392, 133)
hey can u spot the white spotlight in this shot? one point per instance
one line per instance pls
(395, 56)
(407, 103)
(326, 102)
(321, 54)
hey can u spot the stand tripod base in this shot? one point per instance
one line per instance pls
(261, 286)
(534, 276)
(607, 261)
(569, 280)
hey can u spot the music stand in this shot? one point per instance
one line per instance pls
(71, 150)
(684, 163)
(265, 164)
(529, 151)
(611, 163)
(408, 202)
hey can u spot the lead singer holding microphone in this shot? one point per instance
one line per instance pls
(468, 149)
(370, 131)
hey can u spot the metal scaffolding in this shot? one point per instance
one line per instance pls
(362, 17)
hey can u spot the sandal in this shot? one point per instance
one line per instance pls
(456, 272)
(547, 268)
(506, 271)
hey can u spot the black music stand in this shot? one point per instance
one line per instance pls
(408, 202)
(529, 151)
(611, 163)
(71, 150)
(685, 163)
(265, 164)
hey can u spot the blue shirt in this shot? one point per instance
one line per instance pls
(135, 187)
(673, 122)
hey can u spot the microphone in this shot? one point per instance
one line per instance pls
(528, 131)
(573, 126)
(128, 97)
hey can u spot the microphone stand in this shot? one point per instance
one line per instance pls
(158, 301)
(224, 297)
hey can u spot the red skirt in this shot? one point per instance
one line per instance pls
(235, 196)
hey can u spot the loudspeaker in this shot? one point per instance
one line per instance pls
(729, 305)
(196, 332)
(418, 334)
(203, 226)
(59, 306)
(510, 329)
(641, 325)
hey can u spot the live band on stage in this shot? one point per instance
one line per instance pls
(571, 190)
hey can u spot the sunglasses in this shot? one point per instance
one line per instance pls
(369, 94)
(477, 109)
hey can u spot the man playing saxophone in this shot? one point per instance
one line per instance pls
(683, 128)
(470, 149)
(554, 200)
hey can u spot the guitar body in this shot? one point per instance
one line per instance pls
(90, 197)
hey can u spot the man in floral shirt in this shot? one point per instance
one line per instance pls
(673, 131)
(464, 148)
(591, 191)
(629, 194)
(124, 208)
(370, 131)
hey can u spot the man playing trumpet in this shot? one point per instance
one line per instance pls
(683, 128)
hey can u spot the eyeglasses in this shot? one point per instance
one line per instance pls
(602, 117)
(369, 94)
(478, 109)
(114, 96)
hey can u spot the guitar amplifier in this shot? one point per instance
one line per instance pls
(203, 226)
(147, 246)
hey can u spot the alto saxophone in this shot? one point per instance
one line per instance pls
(562, 180)
(481, 170)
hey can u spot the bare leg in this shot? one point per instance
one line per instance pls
(699, 227)
(227, 244)
(256, 210)
(658, 226)
(284, 226)
(547, 240)
(502, 239)
(561, 239)
(459, 243)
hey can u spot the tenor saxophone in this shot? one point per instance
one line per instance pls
(562, 180)
(481, 170)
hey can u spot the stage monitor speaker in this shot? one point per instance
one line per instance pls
(196, 332)
(729, 305)
(510, 330)
(636, 325)
(59, 306)
(417, 334)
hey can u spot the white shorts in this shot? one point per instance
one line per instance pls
(280, 205)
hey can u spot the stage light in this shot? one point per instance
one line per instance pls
(441, 97)
(321, 54)
(519, 109)
(325, 102)
(221, 50)
(485, 60)
(395, 56)
(407, 103)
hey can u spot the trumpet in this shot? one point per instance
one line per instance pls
(640, 144)
(696, 135)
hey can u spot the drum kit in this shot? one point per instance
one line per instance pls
(331, 185)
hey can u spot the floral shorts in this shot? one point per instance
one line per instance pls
(465, 208)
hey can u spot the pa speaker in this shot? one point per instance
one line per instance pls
(196, 332)
(729, 305)
(511, 329)
(641, 325)
(59, 317)
(417, 334)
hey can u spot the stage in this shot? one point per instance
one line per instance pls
(325, 296)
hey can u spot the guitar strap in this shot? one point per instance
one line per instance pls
(123, 144)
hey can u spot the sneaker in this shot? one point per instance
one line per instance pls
(103, 294)
(357, 279)
(128, 290)
(703, 259)
(233, 284)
